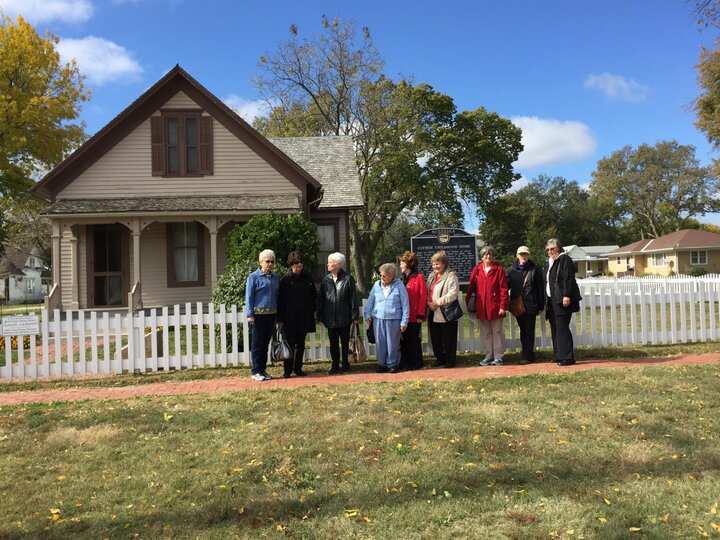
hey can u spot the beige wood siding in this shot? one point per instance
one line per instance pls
(66, 269)
(153, 270)
(126, 171)
(180, 101)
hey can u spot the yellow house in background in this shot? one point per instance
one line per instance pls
(674, 253)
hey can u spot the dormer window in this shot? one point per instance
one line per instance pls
(181, 144)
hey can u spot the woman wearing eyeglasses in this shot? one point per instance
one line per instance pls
(261, 302)
(563, 299)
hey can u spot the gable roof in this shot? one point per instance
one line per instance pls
(14, 260)
(332, 161)
(683, 240)
(176, 80)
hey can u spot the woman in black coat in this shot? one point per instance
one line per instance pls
(296, 311)
(563, 299)
(337, 309)
(525, 279)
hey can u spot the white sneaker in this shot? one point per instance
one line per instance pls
(486, 361)
(497, 362)
(266, 376)
(258, 377)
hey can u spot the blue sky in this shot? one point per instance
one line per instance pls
(582, 78)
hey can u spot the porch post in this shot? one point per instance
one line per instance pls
(136, 250)
(56, 237)
(75, 270)
(213, 229)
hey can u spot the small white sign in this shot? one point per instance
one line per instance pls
(20, 325)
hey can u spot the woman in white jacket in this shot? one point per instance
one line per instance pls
(443, 290)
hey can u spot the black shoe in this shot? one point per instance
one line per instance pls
(393, 370)
(448, 366)
(334, 371)
(524, 362)
(566, 363)
(287, 375)
(301, 374)
(345, 371)
(381, 369)
(438, 363)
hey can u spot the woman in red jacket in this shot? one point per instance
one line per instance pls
(410, 346)
(489, 285)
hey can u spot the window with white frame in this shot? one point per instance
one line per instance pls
(659, 259)
(698, 257)
(30, 286)
(617, 261)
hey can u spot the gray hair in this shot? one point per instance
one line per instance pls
(266, 254)
(389, 269)
(555, 243)
(487, 249)
(338, 258)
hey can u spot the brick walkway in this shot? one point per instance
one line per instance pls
(240, 384)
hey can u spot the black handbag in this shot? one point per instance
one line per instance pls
(370, 331)
(453, 311)
(280, 349)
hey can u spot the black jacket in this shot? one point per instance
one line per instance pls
(296, 302)
(562, 283)
(533, 293)
(337, 306)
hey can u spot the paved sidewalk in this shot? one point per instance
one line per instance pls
(240, 384)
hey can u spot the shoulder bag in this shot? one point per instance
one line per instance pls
(453, 311)
(280, 349)
(517, 306)
(357, 347)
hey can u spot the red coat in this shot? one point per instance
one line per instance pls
(417, 294)
(491, 290)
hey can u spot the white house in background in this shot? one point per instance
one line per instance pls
(589, 260)
(24, 279)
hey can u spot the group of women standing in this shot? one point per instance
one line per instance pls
(399, 303)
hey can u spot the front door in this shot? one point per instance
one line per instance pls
(108, 266)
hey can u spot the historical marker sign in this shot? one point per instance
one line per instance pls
(458, 244)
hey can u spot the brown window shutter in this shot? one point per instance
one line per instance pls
(206, 145)
(157, 137)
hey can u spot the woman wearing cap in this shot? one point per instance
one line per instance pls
(489, 285)
(563, 299)
(525, 280)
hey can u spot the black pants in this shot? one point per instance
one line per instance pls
(562, 338)
(411, 348)
(261, 334)
(526, 323)
(341, 335)
(296, 340)
(443, 337)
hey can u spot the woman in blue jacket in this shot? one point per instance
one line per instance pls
(388, 310)
(261, 302)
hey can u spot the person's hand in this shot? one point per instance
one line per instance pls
(420, 318)
(501, 312)
(368, 321)
(566, 301)
(432, 305)
(403, 328)
(279, 324)
(251, 320)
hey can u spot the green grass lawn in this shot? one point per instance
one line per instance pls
(595, 454)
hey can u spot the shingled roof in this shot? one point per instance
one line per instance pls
(684, 240)
(331, 161)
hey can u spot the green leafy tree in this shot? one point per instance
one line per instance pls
(246, 241)
(415, 151)
(548, 207)
(39, 100)
(657, 189)
(24, 226)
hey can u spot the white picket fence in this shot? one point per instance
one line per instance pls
(614, 312)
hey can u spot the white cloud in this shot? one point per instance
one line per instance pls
(44, 11)
(100, 60)
(549, 141)
(618, 87)
(247, 109)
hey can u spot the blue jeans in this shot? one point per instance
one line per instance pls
(387, 342)
(262, 332)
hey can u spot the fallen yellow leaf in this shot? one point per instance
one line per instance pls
(607, 502)
(634, 529)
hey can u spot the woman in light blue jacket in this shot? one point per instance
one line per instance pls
(388, 310)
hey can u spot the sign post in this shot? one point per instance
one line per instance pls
(458, 244)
